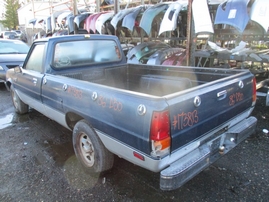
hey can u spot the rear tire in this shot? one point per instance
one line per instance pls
(89, 149)
(19, 105)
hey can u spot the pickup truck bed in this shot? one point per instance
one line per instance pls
(157, 80)
(167, 119)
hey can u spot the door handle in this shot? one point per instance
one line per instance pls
(222, 95)
(34, 81)
(44, 81)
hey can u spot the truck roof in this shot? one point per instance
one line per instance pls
(77, 37)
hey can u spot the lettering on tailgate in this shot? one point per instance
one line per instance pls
(185, 119)
(235, 98)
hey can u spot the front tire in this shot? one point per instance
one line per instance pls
(89, 149)
(19, 105)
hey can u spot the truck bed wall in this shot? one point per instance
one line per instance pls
(153, 80)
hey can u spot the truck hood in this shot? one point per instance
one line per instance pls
(169, 22)
(129, 20)
(234, 13)
(150, 14)
(259, 13)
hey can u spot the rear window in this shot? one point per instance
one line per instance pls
(69, 54)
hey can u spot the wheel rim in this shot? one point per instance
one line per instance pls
(15, 99)
(87, 149)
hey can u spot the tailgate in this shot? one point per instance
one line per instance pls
(197, 111)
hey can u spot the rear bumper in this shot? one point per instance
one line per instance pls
(208, 152)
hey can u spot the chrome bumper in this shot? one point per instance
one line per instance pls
(207, 153)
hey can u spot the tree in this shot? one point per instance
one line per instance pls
(11, 16)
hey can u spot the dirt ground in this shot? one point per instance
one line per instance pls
(37, 163)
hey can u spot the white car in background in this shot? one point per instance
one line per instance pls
(18, 32)
(8, 35)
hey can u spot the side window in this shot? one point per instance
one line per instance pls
(35, 60)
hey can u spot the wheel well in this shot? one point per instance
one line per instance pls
(72, 119)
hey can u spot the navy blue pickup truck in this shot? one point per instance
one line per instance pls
(167, 119)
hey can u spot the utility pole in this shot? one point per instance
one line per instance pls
(97, 5)
(75, 13)
(116, 6)
(189, 24)
(33, 8)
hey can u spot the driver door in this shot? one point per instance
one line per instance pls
(29, 82)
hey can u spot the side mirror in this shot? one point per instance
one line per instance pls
(17, 69)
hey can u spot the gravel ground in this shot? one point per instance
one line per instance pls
(37, 163)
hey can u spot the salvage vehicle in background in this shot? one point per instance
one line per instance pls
(18, 32)
(156, 53)
(12, 54)
(173, 120)
(8, 35)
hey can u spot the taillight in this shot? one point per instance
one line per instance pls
(254, 96)
(160, 133)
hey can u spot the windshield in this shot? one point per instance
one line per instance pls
(13, 46)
